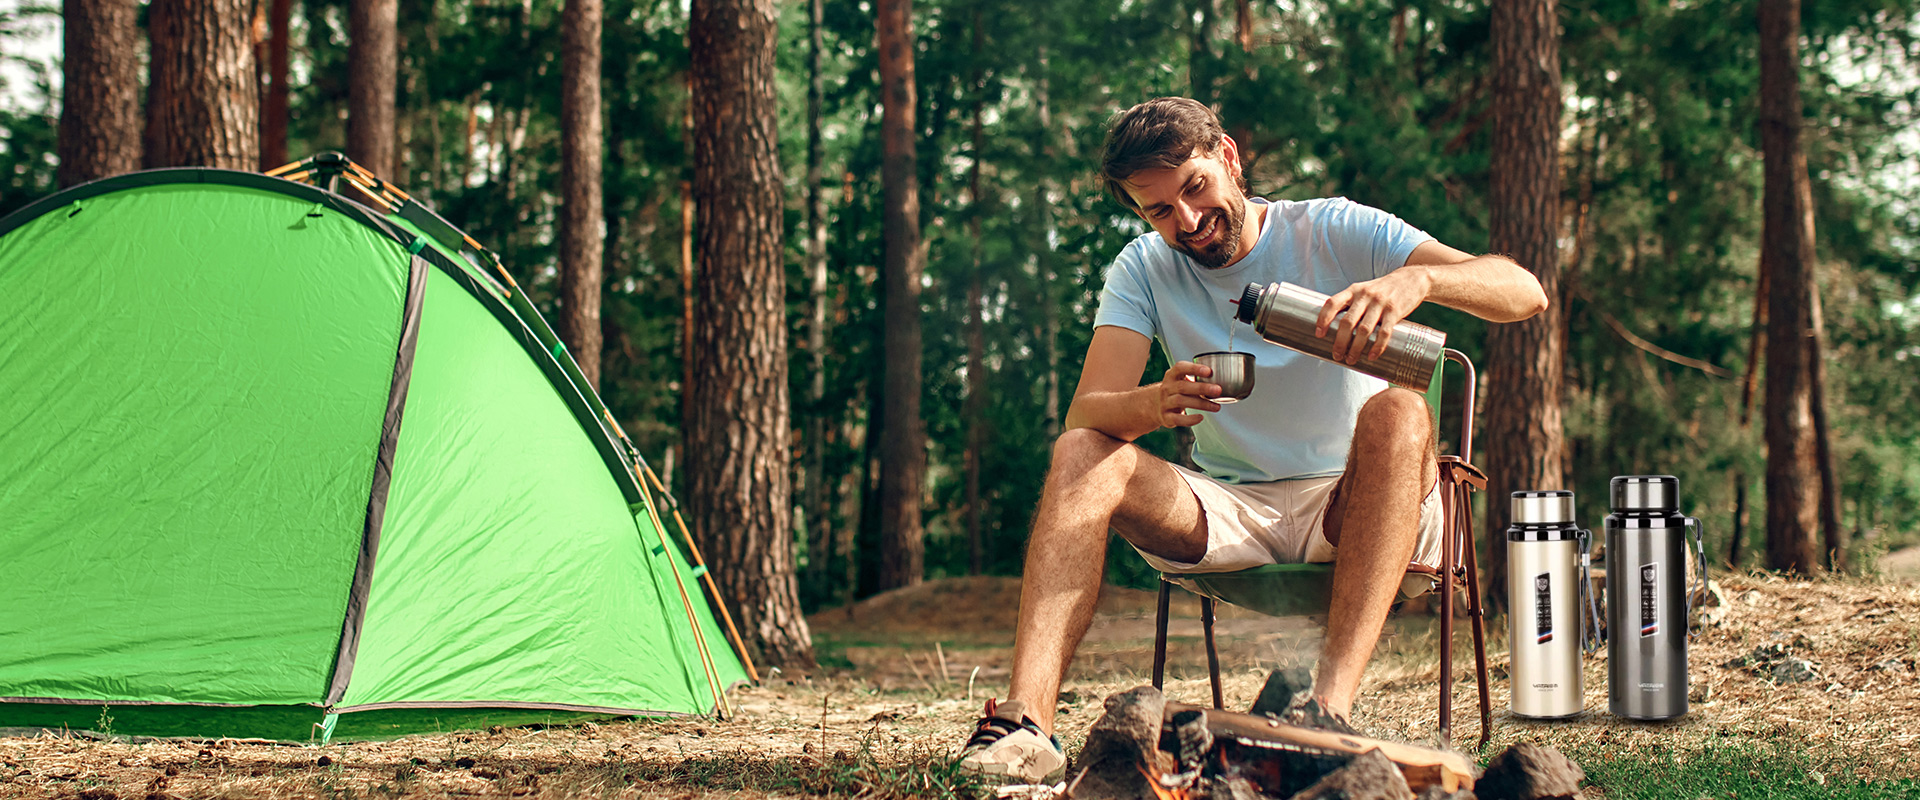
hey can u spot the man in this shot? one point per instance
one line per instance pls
(1321, 463)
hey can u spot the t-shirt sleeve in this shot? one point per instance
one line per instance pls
(1368, 242)
(1127, 301)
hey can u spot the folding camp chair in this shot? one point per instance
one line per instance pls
(1303, 589)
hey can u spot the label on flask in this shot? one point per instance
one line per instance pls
(1649, 597)
(1543, 608)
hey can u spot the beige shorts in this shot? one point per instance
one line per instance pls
(1279, 522)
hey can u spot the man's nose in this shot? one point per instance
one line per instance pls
(1188, 216)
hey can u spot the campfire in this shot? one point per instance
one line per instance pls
(1145, 748)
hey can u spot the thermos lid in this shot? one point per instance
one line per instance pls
(1644, 493)
(1542, 508)
(1249, 303)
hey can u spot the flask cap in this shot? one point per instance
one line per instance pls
(1644, 493)
(1542, 508)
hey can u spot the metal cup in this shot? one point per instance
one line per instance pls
(1232, 372)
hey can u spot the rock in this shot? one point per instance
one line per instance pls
(1794, 670)
(1283, 687)
(1119, 745)
(1222, 787)
(323, 761)
(1369, 776)
(1891, 664)
(1529, 772)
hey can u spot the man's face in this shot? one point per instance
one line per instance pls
(1196, 207)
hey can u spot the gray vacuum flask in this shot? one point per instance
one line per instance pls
(1647, 605)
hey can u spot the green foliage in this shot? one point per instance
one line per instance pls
(1743, 770)
(1384, 101)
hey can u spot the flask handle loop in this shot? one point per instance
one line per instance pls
(1700, 556)
(1591, 638)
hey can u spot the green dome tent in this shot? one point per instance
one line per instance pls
(274, 463)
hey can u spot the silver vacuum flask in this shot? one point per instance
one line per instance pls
(1647, 599)
(1285, 315)
(1546, 579)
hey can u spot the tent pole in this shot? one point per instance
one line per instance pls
(719, 600)
(693, 620)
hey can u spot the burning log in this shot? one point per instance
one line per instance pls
(1421, 766)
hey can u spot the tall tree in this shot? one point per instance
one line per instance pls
(203, 96)
(581, 221)
(819, 529)
(739, 488)
(273, 106)
(1793, 473)
(903, 455)
(100, 90)
(975, 409)
(373, 56)
(1525, 359)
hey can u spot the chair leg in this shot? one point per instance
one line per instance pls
(1449, 552)
(1213, 656)
(1160, 637)
(1477, 610)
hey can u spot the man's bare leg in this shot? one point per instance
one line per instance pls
(1096, 482)
(1389, 471)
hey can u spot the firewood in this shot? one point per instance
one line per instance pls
(1421, 766)
(1191, 738)
(1369, 776)
(1530, 772)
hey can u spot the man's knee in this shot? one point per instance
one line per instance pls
(1079, 452)
(1397, 416)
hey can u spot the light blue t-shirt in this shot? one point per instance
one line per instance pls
(1298, 423)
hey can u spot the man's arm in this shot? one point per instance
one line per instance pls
(1111, 400)
(1490, 287)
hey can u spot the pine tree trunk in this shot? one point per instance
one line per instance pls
(818, 518)
(903, 435)
(273, 106)
(1525, 360)
(372, 68)
(738, 484)
(203, 98)
(581, 232)
(1043, 253)
(975, 407)
(1793, 475)
(100, 90)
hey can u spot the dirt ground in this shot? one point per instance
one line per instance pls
(1831, 671)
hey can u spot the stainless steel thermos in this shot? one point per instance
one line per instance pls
(1547, 593)
(1647, 598)
(1285, 315)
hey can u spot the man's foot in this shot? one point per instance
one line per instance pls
(1007, 747)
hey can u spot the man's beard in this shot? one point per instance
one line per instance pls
(1225, 245)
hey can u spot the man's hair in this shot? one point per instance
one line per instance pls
(1160, 133)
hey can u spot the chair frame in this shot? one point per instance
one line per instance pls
(1458, 562)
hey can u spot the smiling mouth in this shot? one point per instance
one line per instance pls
(1206, 234)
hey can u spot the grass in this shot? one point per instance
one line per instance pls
(1738, 771)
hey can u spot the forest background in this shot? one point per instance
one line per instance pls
(1656, 237)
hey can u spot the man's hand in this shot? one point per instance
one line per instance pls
(1179, 390)
(1372, 307)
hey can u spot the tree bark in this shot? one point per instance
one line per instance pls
(273, 106)
(582, 230)
(1793, 476)
(100, 90)
(372, 68)
(903, 434)
(738, 484)
(1525, 360)
(203, 96)
(819, 528)
(1043, 253)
